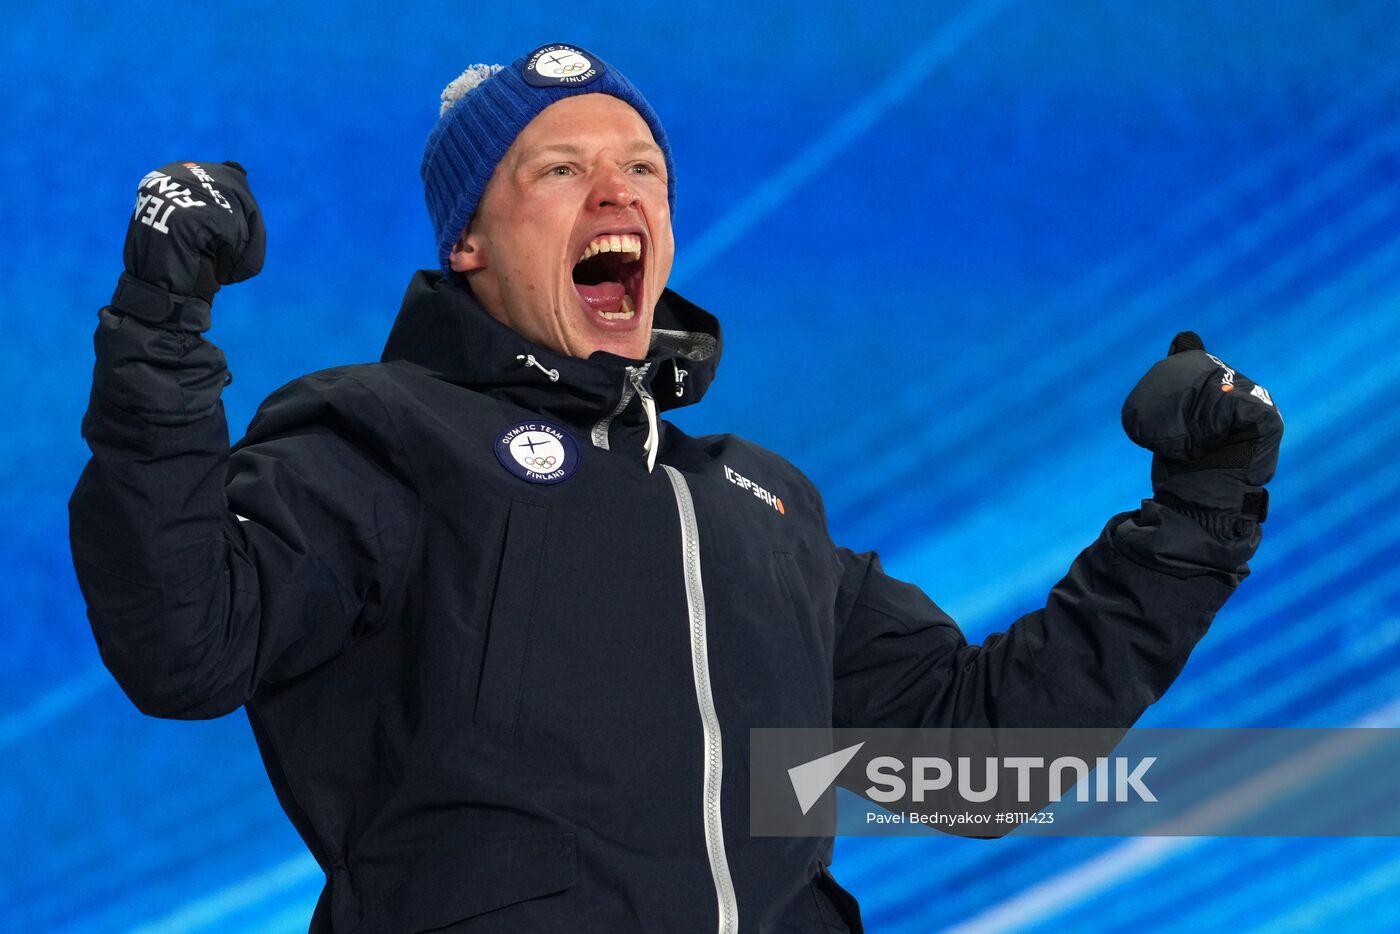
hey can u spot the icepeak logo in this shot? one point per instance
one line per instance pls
(744, 483)
(207, 181)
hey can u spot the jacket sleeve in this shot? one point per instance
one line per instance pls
(1113, 635)
(208, 571)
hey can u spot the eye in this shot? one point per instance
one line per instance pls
(641, 168)
(560, 170)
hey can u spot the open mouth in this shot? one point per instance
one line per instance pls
(608, 276)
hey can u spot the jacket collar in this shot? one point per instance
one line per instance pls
(442, 328)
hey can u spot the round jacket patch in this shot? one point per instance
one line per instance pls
(561, 65)
(538, 452)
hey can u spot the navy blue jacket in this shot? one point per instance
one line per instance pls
(490, 704)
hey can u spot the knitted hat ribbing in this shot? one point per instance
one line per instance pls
(487, 107)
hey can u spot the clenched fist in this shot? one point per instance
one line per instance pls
(1215, 433)
(196, 226)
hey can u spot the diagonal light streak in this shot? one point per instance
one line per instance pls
(1313, 914)
(1219, 201)
(203, 913)
(1224, 888)
(53, 704)
(836, 138)
(1208, 878)
(290, 920)
(1248, 294)
(1323, 664)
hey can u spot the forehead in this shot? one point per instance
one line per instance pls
(600, 119)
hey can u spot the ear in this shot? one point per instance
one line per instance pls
(467, 255)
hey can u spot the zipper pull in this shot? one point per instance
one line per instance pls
(635, 374)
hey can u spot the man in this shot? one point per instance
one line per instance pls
(500, 630)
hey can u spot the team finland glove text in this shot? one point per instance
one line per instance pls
(196, 226)
(1213, 432)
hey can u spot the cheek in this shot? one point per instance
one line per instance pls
(528, 263)
(541, 243)
(663, 243)
(665, 255)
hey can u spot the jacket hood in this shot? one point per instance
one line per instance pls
(443, 328)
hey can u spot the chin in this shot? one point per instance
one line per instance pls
(632, 348)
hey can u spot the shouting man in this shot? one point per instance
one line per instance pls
(502, 631)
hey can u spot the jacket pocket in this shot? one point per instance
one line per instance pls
(474, 878)
(512, 610)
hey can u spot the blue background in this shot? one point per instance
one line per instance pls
(945, 239)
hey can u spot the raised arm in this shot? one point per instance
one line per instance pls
(208, 571)
(1116, 631)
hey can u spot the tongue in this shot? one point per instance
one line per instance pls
(604, 296)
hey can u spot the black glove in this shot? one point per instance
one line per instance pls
(1215, 435)
(196, 226)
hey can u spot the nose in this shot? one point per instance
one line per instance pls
(612, 189)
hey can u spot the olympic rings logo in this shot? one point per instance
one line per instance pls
(545, 462)
(572, 68)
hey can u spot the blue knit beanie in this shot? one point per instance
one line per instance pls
(483, 111)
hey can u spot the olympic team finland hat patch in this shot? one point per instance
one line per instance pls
(538, 452)
(561, 65)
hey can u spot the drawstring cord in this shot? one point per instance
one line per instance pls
(680, 378)
(528, 359)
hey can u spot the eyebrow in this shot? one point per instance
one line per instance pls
(569, 149)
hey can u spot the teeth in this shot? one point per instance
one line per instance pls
(628, 310)
(628, 244)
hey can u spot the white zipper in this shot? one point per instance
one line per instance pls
(709, 720)
(600, 428)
